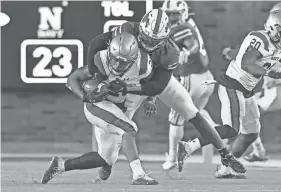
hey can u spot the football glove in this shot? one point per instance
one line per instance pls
(118, 86)
(183, 57)
(99, 94)
(150, 107)
(274, 74)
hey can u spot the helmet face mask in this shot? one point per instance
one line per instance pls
(154, 30)
(122, 54)
(150, 44)
(273, 27)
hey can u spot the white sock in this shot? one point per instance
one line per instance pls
(175, 135)
(61, 165)
(193, 145)
(258, 146)
(137, 168)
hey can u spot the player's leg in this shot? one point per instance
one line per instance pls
(264, 100)
(176, 131)
(175, 96)
(200, 95)
(249, 132)
(127, 128)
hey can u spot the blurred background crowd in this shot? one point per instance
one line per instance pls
(39, 114)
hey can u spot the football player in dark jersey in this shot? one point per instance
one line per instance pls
(192, 71)
(152, 34)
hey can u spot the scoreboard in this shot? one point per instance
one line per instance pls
(45, 41)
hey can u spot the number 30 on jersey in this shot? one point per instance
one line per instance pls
(50, 60)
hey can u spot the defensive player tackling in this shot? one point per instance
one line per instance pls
(152, 34)
(108, 109)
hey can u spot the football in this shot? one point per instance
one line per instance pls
(90, 85)
(272, 62)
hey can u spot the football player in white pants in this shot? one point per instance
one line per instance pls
(191, 73)
(107, 109)
(240, 113)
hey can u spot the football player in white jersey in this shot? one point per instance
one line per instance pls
(192, 71)
(239, 110)
(265, 95)
(110, 113)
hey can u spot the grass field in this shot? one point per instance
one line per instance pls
(22, 177)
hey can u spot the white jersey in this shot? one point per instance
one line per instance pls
(142, 69)
(258, 40)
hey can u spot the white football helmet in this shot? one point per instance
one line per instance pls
(154, 29)
(273, 26)
(276, 7)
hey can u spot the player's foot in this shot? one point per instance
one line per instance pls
(182, 154)
(169, 163)
(262, 157)
(105, 172)
(224, 172)
(231, 161)
(52, 170)
(144, 180)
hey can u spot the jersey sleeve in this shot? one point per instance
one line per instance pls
(258, 41)
(129, 27)
(99, 43)
(166, 57)
(184, 34)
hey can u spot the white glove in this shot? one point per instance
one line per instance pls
(184, 54)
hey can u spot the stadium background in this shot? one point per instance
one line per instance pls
(46, 117)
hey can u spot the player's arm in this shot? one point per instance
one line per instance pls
(258, 44)
(99, 43)
(249, 60)
(74, 81)
(191, 44)
(152, 85)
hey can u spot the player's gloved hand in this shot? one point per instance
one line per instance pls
(183, 57)
(118, 86)
(225, 53)
(274, 74)
(99, 94)
(150, 107)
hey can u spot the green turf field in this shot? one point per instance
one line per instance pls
(22, 177)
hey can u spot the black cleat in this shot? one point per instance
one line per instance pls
(52, 170)
(231, 161)
(105, 172)
(181, 155)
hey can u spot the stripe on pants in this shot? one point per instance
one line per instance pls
(109, 118)
(234, 108)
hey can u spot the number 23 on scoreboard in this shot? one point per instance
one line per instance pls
(50, 60)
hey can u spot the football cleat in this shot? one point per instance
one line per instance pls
(52, 170)
(262, 157)
(231, 161)
(105, 172)
(224, 172)
(168, 164)
(144, 180)
(182, 154)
